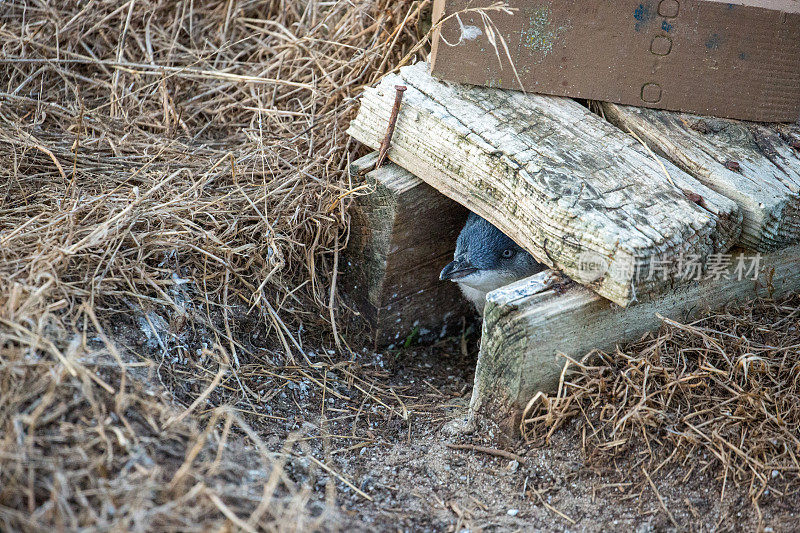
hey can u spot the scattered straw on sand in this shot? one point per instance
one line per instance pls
(721, 394)
(94, 451)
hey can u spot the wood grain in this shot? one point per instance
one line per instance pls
(402, 233)
(763, 169)
(528, 325)
(560, 181)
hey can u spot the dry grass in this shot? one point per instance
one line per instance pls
(92, 451)
(182, 163)
(150, 138)
(718, 395)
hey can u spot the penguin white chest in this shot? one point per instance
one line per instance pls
(476, 296)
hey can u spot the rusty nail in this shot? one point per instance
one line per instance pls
(733, 165)
(398, 99)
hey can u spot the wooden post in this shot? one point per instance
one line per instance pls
(563, 183)
(753, 164)
(402, 234)
(527, 325)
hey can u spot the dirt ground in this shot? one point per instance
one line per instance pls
(386, 438)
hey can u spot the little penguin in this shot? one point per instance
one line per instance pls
(486, 259)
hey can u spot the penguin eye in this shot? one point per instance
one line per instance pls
(508, 252)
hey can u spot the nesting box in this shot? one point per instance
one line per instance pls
(640, 214)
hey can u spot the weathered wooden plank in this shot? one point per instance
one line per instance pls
(528, 324)
(763, 169)
(560, 181)
(401, 235)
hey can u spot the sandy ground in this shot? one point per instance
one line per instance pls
(395, 472)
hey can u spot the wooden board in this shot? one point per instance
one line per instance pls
(529, 323)
(763, 168)
(563, 183)
(401, 235)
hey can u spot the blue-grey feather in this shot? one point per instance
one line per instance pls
(482, 244)
(487, 259)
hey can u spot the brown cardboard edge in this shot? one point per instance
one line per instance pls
(436, 16)
(756, 114)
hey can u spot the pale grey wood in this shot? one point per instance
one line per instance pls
(560, 181)
(402, 233)
(767, 186)
(526, 327)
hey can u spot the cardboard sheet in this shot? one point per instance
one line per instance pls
(736, 59)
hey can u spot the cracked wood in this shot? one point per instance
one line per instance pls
(530, 324)
(563, 183)
(762, 174)
(401, 235)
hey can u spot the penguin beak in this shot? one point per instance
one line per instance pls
(456, 270)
